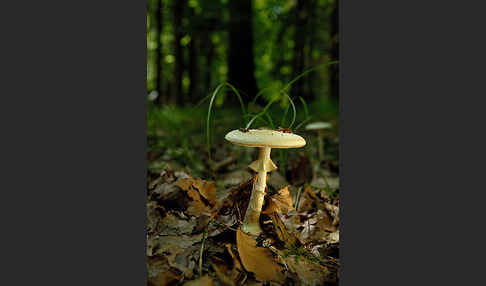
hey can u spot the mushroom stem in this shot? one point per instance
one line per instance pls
(264, 164)
(320, 144)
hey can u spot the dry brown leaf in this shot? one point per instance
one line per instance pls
(203, 281)
(172, 225)
(170, 243)
(155, 182)
(184, 260)
(202, 196)
(185, 184)
(258, 260)
(206, 189)
(319, 227)
(309, 273)
(333, 237)
(236, 202)
(153, 217)
(159, 273)
(280, 202)
(288, 238)
(334, 211)
(308, 200)
(324, 221)
(221, 272)
(196, 206)
(236, 261)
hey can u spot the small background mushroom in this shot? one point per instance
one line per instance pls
(319, 127)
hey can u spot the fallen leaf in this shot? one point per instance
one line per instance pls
(172, 225)
(195, 206)
(159, 273)
(308, 200)
(153, 217)
(203, 281)
(221, 272)
(333, 237)
(197, 189)
(171, 243)
(258, 260)
(289, 238)
(334, 211)
(207, 190)
(280, 202)
(236, 202)
(310, 273)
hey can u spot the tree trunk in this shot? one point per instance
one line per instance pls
(209, 63)
(194, 89)
(179, 56)
(158, 53)
(240, 59)
(298, 56)
(334, 69)
(312, 16)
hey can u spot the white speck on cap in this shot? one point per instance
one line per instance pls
(318, 125)
(265, 138)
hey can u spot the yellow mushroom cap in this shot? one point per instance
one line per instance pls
(265, 138)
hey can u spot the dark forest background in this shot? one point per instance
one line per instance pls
(193, 45)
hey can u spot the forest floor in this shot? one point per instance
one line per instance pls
(195, 206)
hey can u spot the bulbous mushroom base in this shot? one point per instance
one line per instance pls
(251, 225)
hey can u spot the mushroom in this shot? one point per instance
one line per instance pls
(265, 140)
(319, 126)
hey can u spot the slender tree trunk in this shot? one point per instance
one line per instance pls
(298, 57)
(158, 53)
(193, 62)
(334, 69)
(179, 56)
(209, 63)
(309, 61)
(241, 67)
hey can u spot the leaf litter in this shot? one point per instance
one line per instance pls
(193, 235)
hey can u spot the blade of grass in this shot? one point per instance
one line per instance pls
(306, 110)
(202, 248)
(297, 199)
(284, 117)
(293, 109)
(270, 120)
(215, 93)
(260, 113)
(300, 124)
